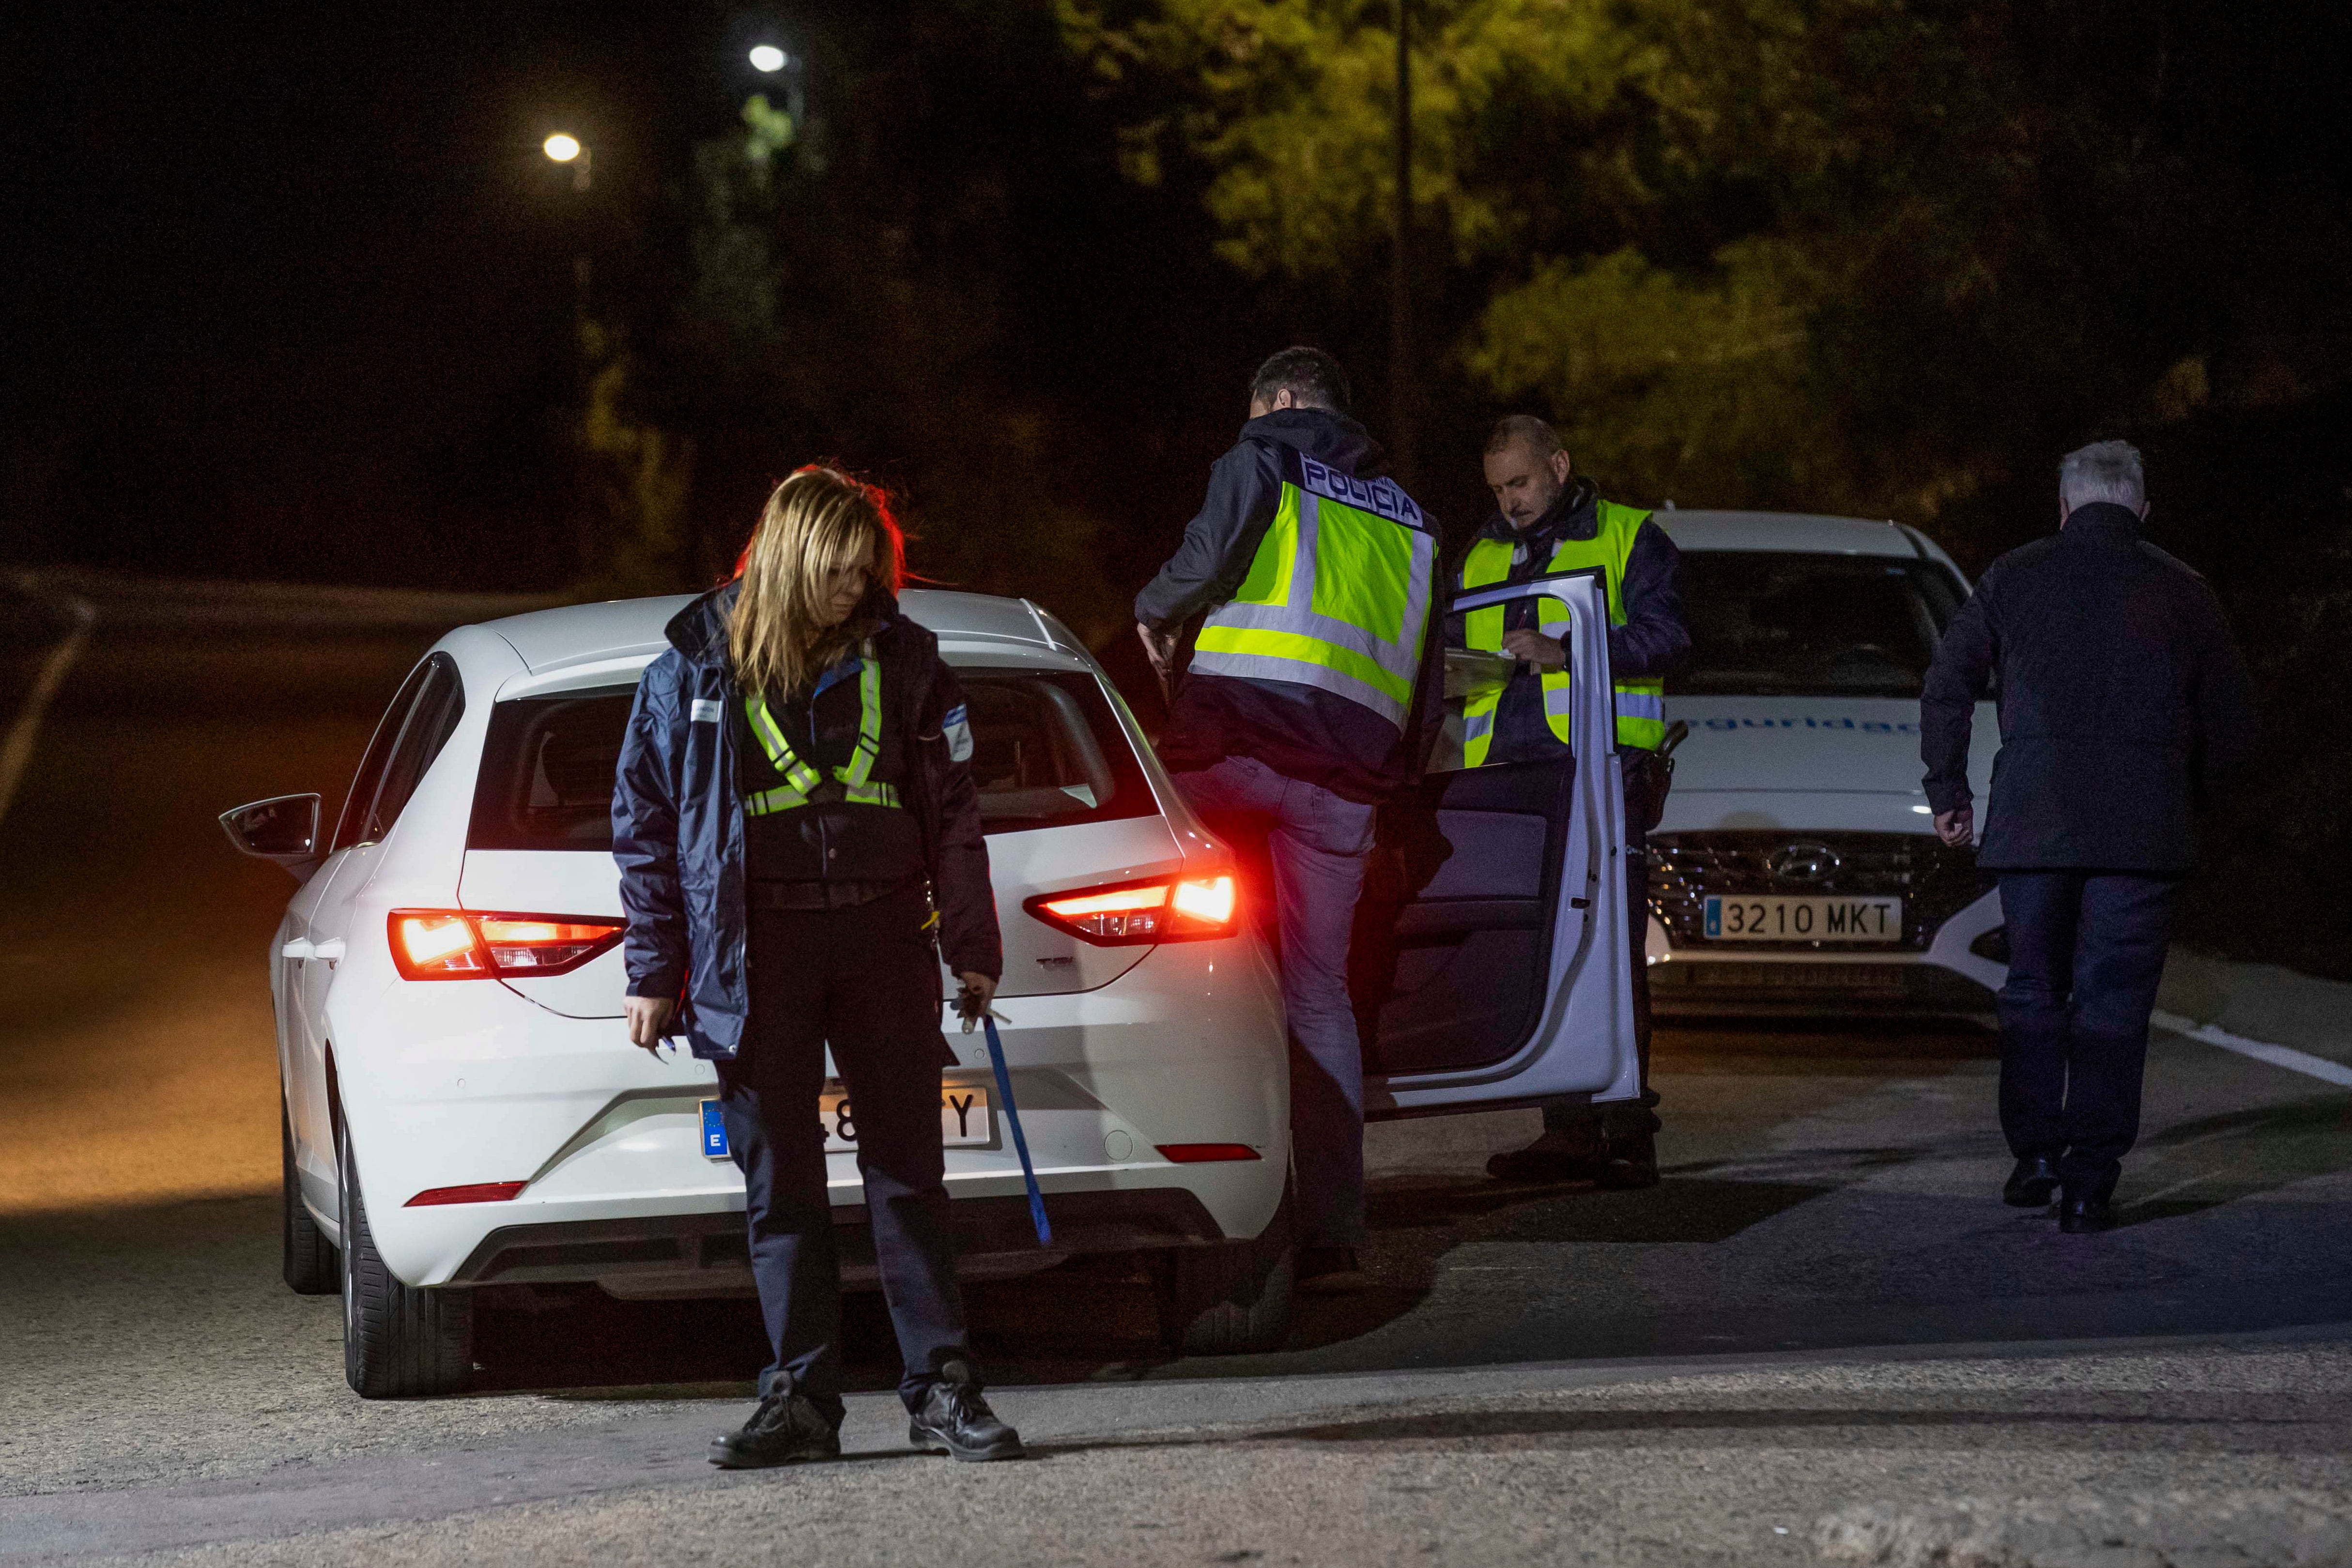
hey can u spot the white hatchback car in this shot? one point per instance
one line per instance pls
(1796, 869)
(463, 1112)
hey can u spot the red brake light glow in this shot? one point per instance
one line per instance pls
(1203, 1153)
(458, 945)
(479, 1193)
(1128, 914)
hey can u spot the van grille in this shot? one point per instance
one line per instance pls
(1934, 880)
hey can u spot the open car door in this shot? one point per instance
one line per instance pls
(1489, 965)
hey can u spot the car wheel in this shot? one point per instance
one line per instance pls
(398, 1340)
(309, 1263)
(1232, 1298)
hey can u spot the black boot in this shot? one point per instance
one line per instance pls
(2080, 1216)
(954, 1419)
(2032, 1184)
(786, 1429)
(1629, 1163)
(1329, 1271)
(1570, 1154)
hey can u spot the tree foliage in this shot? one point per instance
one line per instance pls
(1829, 254)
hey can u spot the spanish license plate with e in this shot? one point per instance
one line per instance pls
(964, 1121)
(1811, 916)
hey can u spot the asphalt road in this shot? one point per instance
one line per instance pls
(1821, 1339)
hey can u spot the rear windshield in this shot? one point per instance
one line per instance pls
(1769, 623)
(1046, 751)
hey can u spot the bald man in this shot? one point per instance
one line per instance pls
(1549, 519)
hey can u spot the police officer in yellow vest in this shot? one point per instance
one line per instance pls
(1547, 519)
(1314, 691)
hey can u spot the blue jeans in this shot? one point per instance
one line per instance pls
(1312, 844)
(2085, 955)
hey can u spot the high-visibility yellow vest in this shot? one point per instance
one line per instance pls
(1338, 596)
(1641, 700)
(801, 780)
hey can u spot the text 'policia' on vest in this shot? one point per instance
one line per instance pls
(1338, 596)
(1641, 700)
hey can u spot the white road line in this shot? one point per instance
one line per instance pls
(16, 750)
(2284, 1056)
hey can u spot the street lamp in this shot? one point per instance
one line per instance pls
(567, 149)
(767, 59)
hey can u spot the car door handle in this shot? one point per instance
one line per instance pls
(299, 948)
(330, 950)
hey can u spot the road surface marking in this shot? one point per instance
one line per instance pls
(2261, 1050)
(16, 750)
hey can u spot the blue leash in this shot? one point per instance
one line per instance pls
(1020, 1140)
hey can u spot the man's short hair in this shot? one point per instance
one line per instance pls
(2103, 471)
(1514, 429)
(1312, 377)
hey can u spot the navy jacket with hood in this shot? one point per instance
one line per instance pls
(678, 817)
(1300, 731)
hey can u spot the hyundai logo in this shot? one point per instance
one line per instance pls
(1803, 863)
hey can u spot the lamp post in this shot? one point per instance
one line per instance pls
(562, 147)
(566, 148)
(1400, 369)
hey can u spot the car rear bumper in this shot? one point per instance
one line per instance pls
(659, 1256)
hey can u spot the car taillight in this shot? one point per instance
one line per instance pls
(1204, 1154)
(1166, 909)
(460, 945)
(479, 1193)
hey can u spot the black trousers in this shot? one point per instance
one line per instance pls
(2085, 955)
(863, 978)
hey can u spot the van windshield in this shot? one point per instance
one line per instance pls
(1772, 624)
(1047, 752)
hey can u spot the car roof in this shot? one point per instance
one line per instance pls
(615, 629)
(1797, 531)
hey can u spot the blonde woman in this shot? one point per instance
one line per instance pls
(796, 826)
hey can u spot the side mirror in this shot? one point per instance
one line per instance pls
(284, 829)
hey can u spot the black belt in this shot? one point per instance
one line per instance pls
(826, 895)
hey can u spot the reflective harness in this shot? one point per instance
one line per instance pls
(1641, 700)
(801, 780)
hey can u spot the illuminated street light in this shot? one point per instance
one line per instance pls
(565, 148)
(767, 59)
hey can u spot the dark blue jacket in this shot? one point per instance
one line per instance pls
(2124, 703)
(1300, 731)
(678, 817)
(1653, 641)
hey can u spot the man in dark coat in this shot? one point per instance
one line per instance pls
(2124, 707)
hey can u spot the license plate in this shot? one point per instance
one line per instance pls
(963, 1121)
(1803, 918)
(964, 1118)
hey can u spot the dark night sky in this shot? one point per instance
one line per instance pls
(290, 287)
(297, 258)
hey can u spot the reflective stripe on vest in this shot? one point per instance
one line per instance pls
(801, 781)
(1338, 596)
(1641, 701)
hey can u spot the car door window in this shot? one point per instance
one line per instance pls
(379, 753)
(439, 704)
(1455, 957)
(411, 734)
